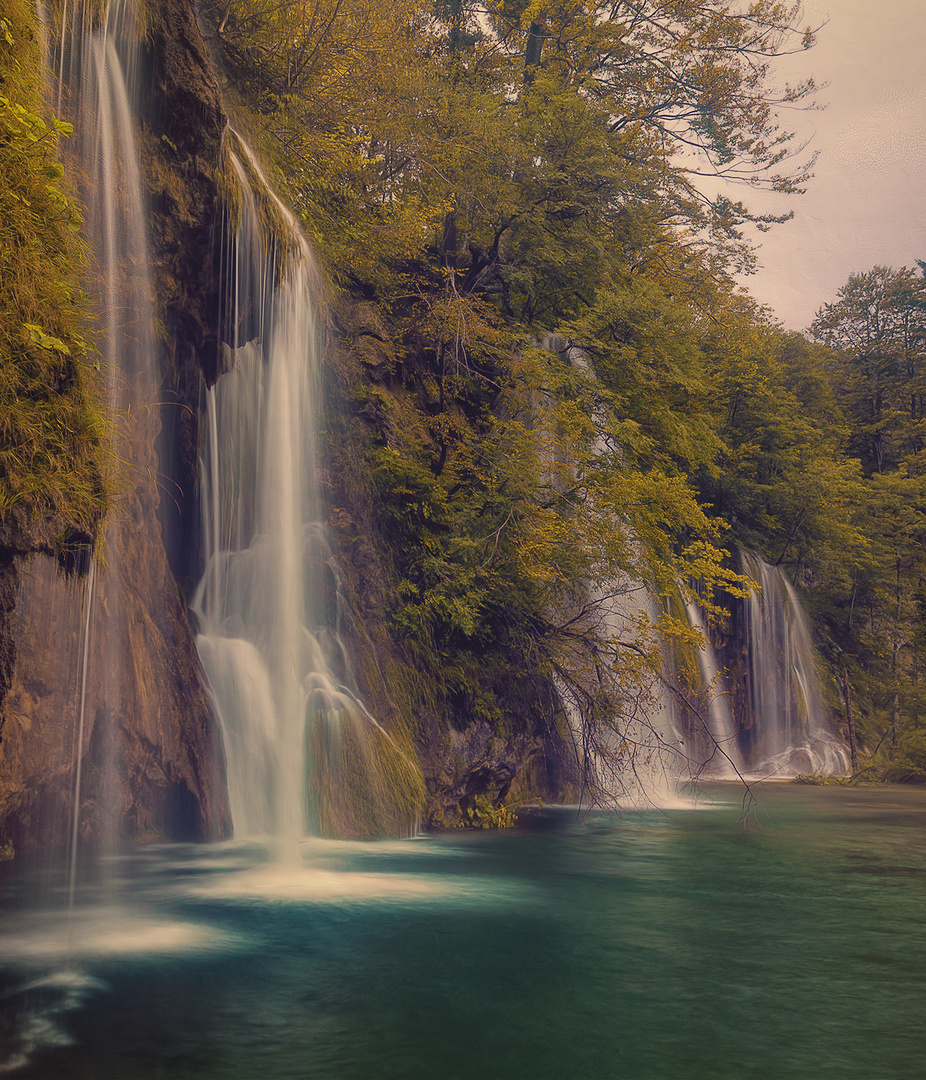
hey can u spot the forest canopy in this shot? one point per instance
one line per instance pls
(578, 390)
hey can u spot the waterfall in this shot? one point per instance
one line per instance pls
(724, 760)
(647, 758)
(301, 752)
(259, 507)
(96, 65)
(788, 732)
(104, 65)
(118, 672)
(644, 762)
(778, 728)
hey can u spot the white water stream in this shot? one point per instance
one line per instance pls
(260, 499)
(297, 740)
(725, 761)
(790, 733)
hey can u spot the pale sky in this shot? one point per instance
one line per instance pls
(866, 205)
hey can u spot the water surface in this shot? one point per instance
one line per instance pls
(678, 945)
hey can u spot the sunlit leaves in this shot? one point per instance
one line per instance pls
(51, 427)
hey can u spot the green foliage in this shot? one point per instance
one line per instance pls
(53, 432)
(878, 325)
(868, 596)
(822, 780)
(364, 782)
(690, 71)
(645, 348)
(573, 400)
(482, 813)
(908, 763)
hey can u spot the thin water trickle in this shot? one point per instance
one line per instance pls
(84, 654)
(646, 759)
(259, 487)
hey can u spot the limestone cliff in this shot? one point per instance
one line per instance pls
(521, 753)
(122, 690)
(149, 746)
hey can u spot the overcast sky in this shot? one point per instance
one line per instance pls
(866, 205)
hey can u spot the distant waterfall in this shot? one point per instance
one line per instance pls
(640, 761)
(788, 731)
(776, 726)
(771, 723)
(723, 759)
(644, 761)
(301, 752)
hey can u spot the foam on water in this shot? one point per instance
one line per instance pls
(38, 939)
(42, 1001)
(279, 883)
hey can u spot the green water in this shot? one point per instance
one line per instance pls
(683, 945)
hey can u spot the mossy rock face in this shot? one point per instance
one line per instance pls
(180, 141)
(55, 445)
(480, 725)
(145, 705)
(55, 450)
(364, 784)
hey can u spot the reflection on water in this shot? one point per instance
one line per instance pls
(674, 945)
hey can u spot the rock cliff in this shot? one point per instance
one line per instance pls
(122, 690)
(522, 754)
(143, 727)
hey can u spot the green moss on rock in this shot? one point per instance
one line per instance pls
(53, 429)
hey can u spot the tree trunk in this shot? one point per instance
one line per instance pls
(533, 51)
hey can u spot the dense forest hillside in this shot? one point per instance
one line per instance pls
(545, 389)
(490, 178)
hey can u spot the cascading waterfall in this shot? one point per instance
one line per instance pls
(89, 650)
(647, 761)
(779, 731)
(97, 72)
(259, 498)
(302, 753)
(788, 733)
(120, 669)
(100, 66)
(724, 761)
(652, 758)
(117, 219)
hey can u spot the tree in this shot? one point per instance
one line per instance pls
(555, 293)
(696, 74)
(879, 326)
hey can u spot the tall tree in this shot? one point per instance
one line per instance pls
(698, 74)
(879, 325)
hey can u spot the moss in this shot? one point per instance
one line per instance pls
(364, 783)
(482, 813)
(54, 433)
(271, 211)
